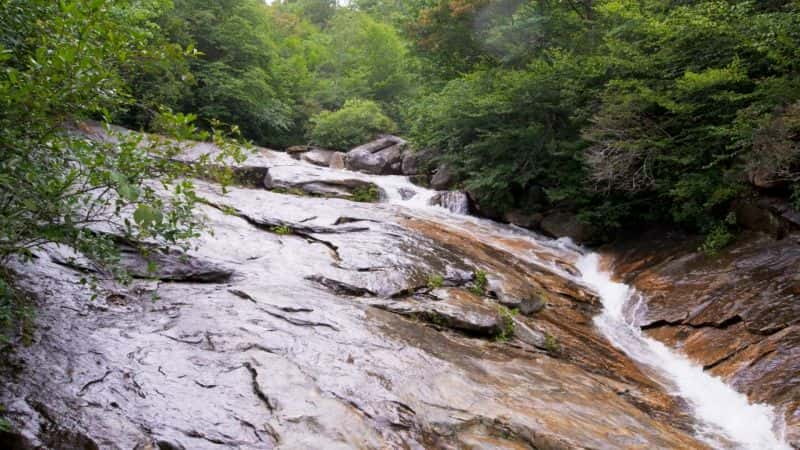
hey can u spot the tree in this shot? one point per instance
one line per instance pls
(318, 12)
(63, 62)
(367, 59)
(235, 71)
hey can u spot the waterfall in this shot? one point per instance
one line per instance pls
(726, 417)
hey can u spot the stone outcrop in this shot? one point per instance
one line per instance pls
(523, 219)
(415, 162)
(318, 156)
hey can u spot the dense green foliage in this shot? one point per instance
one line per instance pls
(269, 68)
(627, 111)
(358, 121)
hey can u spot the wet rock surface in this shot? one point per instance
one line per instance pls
(318, 157)
(382, 156)
(336, 324)
(736, 314)
(455, 201)
(443, 178)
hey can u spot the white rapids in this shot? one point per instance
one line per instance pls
(726, 419)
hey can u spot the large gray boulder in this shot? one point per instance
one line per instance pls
(383, 156)
(415, 161)
(484, 208)
(443, 178)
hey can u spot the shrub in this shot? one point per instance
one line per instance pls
(480, 283)
(281, 230)
(551, 343)
(435, 281)
(506, 323)
(366, 194)
(719, 236)
(358, 121)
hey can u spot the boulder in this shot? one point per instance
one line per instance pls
(765, 179)
(453, 308)
(789, 216)
(318, 157)
(146, 261)
(443, 178)
(316, 181)
(406, 194)
(380, 157)
(523, 219)
(461, 310)
(532, 305)
(564, 224)
(413, 161)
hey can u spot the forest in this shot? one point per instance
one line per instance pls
(628, 113)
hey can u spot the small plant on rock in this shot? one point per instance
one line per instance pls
(281, 230)
(551, 343)
(506, 323)
(437, 319)
(720, 236)
(479, 283)
(366, 194)
(290, 191)
(435, 281)
(5, 425)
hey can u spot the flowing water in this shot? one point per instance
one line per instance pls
(725, 415)
(726, 419)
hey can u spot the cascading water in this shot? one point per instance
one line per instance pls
(400, 191)
(726, 419)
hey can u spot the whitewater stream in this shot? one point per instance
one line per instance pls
(726, 418)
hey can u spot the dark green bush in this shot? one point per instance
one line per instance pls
(357, 122)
